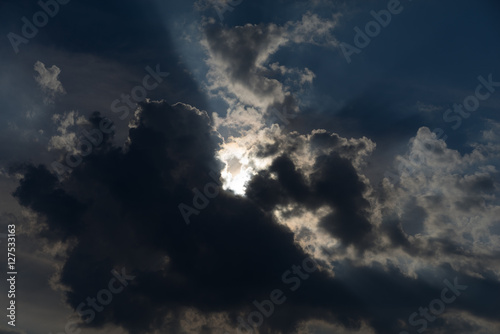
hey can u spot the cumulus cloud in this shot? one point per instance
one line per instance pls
(169, 154)
(241, 72)
(383, 250)
(48, 81)
(119, 208)
(258, 92)
(448, 200)
(67, 127)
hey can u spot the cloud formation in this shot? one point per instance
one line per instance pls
(48, 81)
(300, 142)
(118, 209)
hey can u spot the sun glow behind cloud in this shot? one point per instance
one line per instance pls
(240, 167)
(237, 171)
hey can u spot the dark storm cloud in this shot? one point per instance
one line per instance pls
(120, 208)
(334, 182)
(339, 184)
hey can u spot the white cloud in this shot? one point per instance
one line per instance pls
(240, 71)
(48, 80)
(315, 30)
(67, 125)
(458, 194)
(242, 74)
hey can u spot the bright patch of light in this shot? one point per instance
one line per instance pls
(240, 166)
(237, 172)
(237, 183)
